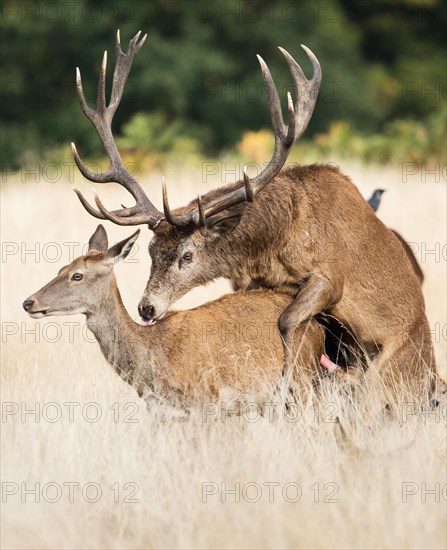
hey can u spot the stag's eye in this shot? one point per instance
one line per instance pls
(185, 259)
(77, 277)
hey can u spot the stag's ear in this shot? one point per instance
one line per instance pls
(120, 250)
(222, 226)
(98, 241)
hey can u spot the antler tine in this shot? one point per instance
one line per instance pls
(107, 177)
(113, 215)
(166, 209)
(102, 177)
(248, 187)
(101, 93)
(122, 67)
(87, 205)
(299, 114)
(291, 132)
(202, 217)
(101, 118)
(107, 215)
(306, 92)
(273, 99)
(177, 221)
(316, 77)
(125, 216)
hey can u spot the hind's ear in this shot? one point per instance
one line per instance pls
(98, 241)
(120, 250)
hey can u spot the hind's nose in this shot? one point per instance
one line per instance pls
(28, 304)
(146, 312)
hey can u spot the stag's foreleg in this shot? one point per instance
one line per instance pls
(316, 295)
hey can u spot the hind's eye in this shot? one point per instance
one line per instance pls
(77, 276)
(187, 256)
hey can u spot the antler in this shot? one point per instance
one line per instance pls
(300, 112)
(101, 118)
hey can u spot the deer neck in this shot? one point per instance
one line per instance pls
(119, 337)
(233, 258)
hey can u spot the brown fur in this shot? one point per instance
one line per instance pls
(311, 234)
(409, 252)
(231, 345)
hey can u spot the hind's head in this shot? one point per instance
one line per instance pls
(80, 285)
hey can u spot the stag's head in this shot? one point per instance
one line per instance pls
(180, 261)
(82, 284)
(184, 239)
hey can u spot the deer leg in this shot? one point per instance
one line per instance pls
(408, 368)
(315, 296)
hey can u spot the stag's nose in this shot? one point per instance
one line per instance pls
(28, 304)
(146, 312)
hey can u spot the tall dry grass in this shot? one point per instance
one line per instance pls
(213, 481)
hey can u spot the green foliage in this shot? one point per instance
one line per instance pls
(401, 140)
(151, 131)
(195, 87)
(144, 128)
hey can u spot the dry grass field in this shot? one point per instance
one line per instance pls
(91, 468)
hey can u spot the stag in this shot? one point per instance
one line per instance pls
(229, 345)
(302, 230)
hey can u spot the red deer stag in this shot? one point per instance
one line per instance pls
(305, 230)
(230, 347)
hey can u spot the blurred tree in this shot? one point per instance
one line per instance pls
(198, 75)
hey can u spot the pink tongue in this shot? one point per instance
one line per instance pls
(147, 323)
(326, 363)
